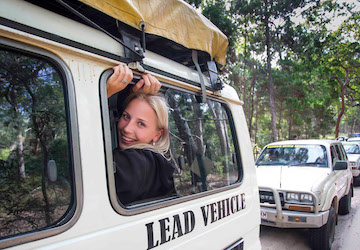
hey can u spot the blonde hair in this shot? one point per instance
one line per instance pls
(159, 105)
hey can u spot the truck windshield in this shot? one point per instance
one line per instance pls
(294, 155)
(352, 148)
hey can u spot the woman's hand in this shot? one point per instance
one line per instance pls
(118, 81)
(148, 84)
(123, 75)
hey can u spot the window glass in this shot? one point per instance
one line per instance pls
(343, 152)
(202, 144)
(333, 155)
(294, 155)
(35, 173)
(202, 149)
(352, 148)
(338, 151)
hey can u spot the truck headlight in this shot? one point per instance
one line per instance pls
(352, 164)
(306, 198)
(299, 197)
(293, 197)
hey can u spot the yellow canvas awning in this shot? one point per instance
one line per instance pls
(173, 19)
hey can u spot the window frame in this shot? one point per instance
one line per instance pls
(73, 213)
(344, 155)
(166, 202)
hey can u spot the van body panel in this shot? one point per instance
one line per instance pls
(98, 224)
(107, 229)
(52, 23)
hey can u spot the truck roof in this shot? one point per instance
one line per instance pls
(172, 19)
(308, 141)
(173, 28)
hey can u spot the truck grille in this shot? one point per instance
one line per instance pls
(268, 196)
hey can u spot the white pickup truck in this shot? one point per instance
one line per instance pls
(305, 184)
(352, 149)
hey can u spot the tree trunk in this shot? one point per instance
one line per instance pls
(43, 187)
(279, 126)
(20, 157)
(18, 126)
(290, 125)
(38, 128)
(190, 146)
(200, 143)
(342, 97)
(252, 93)
(269, 70)
(220, 129)
(256, 120)
(198, 128)
(354, 124)
(342, 111)
(184, 130)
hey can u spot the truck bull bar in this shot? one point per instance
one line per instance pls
(277, 200)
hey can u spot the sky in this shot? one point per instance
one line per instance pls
(337, 21)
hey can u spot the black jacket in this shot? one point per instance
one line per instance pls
(142, 174)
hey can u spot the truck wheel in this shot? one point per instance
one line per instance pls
(322, 238)
(345, 203)
(357, 181)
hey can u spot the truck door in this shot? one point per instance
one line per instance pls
(342, 183)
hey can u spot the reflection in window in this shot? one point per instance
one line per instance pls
(201, 144)
(34, 142)
(294, 155)
(352, 148)
(340, 156)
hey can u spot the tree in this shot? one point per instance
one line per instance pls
(338, 53)
(289, 75)
(266, 14)
(14, 90)
(33, 108)
(343, 60)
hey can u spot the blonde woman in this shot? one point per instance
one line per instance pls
(142, 171)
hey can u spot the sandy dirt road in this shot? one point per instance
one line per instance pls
(347, 232)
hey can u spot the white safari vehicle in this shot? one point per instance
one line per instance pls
(58, 129)
(353, 153)
(305, 184)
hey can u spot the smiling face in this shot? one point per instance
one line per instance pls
(138, 124)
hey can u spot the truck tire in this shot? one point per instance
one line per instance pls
(357, 181)
(345, 203)
(322, 238)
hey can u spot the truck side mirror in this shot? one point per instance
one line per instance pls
(181, 161)
(51, 171)
(341, 165)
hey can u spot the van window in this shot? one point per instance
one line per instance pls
(36, 171)
(202, 144)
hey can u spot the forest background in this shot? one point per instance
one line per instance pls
(294, 63)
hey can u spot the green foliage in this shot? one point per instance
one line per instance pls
(217, 12)
(307, 60)
(22, 203)
(195, 3)
(33, 131)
